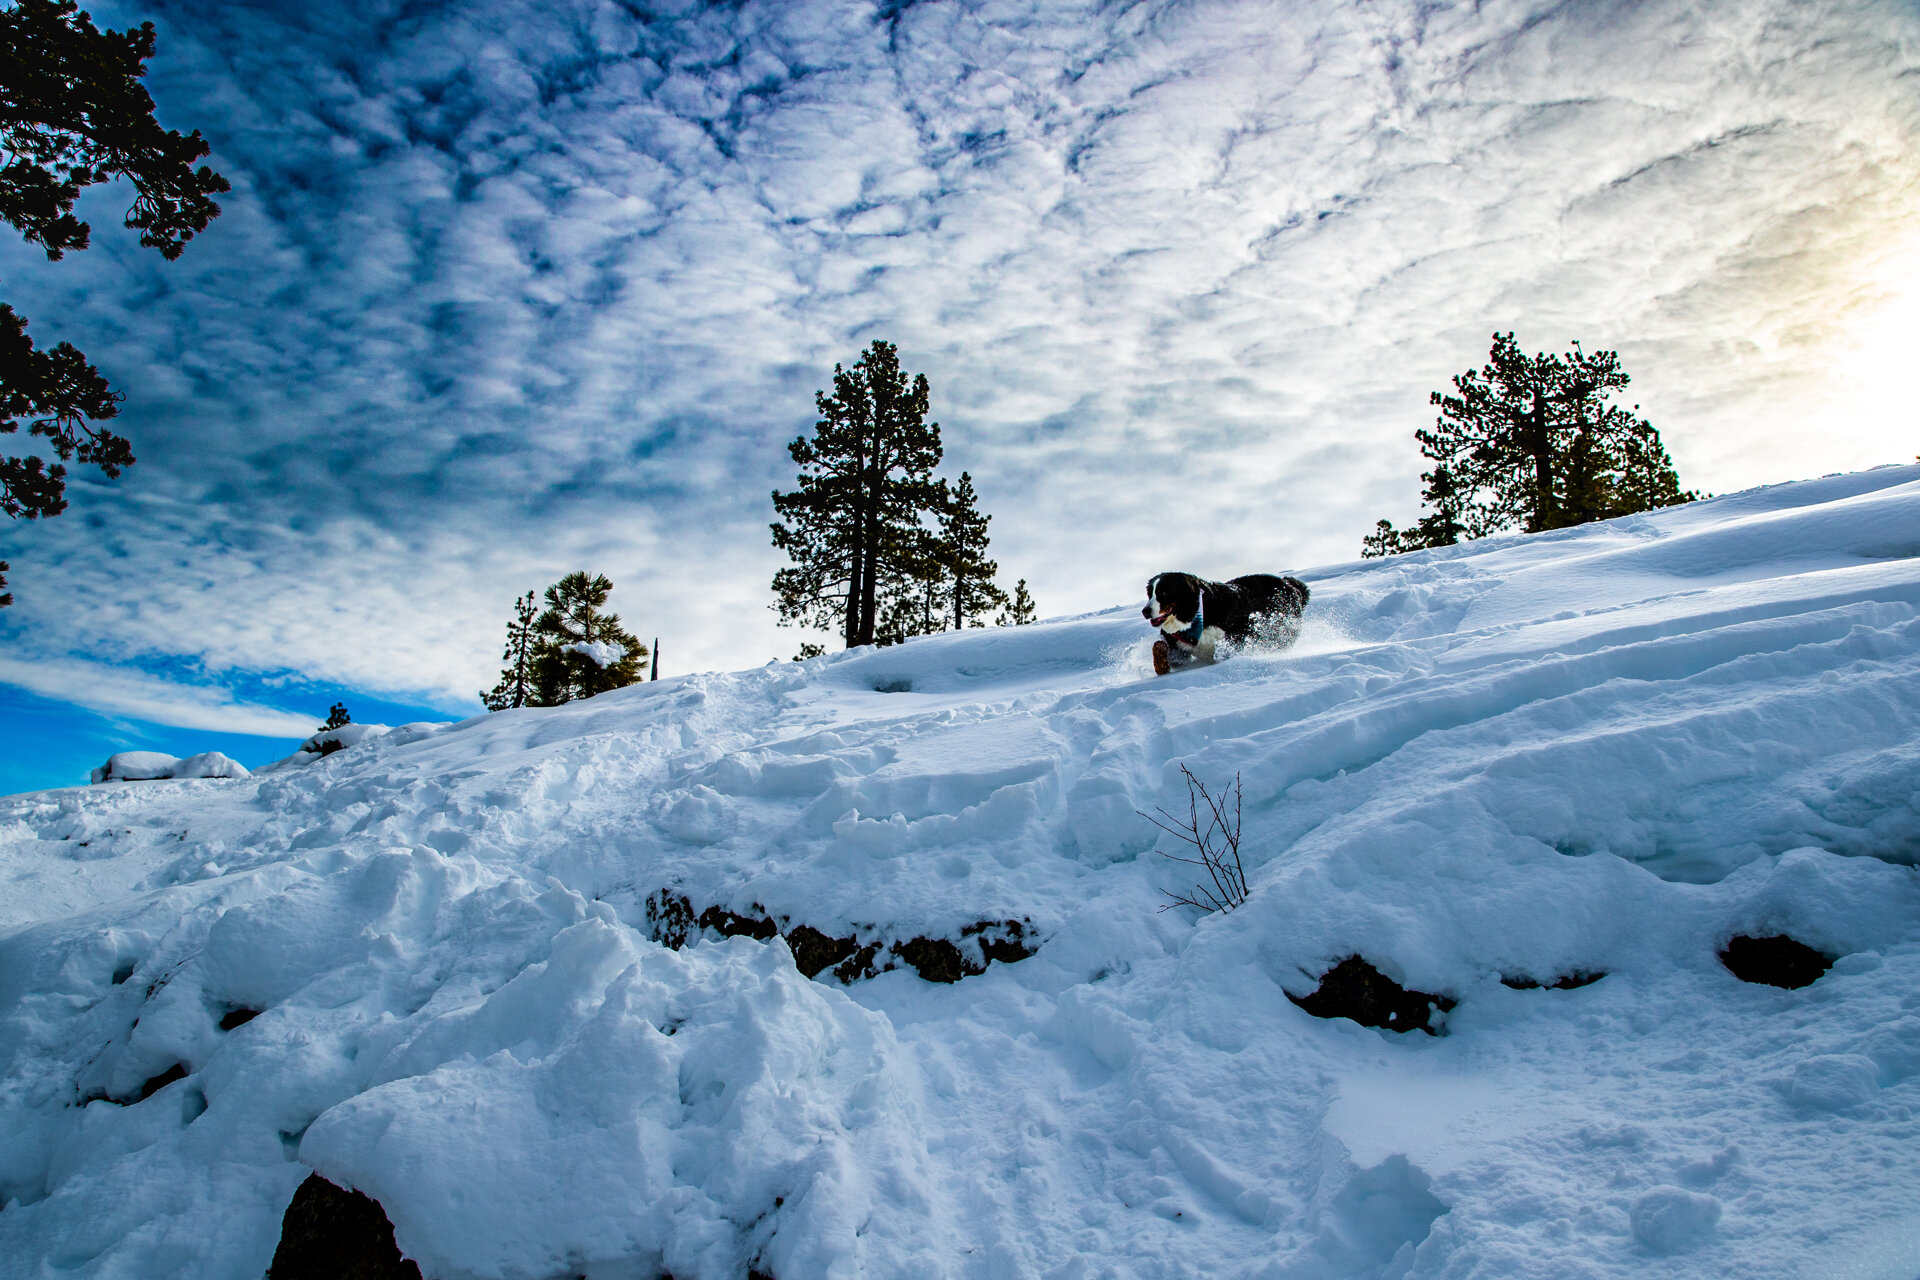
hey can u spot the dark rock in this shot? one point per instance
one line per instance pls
(1776, 961)
(936, 959)
(672, 923)
(1002, 940)
(814, 950)
(178, 1071)
(1355, 989)
(1567, 983)
(669, 919)
(859, 965)
(728, 925)
(330, 746)
(237, 1018)
(330, 1233)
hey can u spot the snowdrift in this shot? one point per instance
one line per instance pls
(431, 965)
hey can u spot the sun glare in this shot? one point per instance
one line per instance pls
(1877, 397)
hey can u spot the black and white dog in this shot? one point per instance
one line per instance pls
(1195, 615)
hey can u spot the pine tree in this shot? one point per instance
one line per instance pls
(1441, 527)
(852, 527)
(72, 114)
(579, 651)
(963, 551)
(515, 688)
(1020, 611)
(337, 718)
(1533, 441)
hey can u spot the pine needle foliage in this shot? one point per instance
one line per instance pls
(1020, 611)
(578, 650)
(963, 556)
(515, 687)
(853, 527)
(72, 114)
(1534, 442)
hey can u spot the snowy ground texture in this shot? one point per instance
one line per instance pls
(1604, 750)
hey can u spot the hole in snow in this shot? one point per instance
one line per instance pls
(893, 684)
(178, 1071)
(1377, 1221)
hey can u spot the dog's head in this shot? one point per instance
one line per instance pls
(1173, 599)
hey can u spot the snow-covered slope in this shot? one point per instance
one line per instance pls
(1607, 750)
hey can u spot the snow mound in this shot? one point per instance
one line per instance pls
(1541, 784)
(149, 766)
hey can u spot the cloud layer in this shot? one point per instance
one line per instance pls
(503, 291)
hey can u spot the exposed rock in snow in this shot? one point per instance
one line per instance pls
(1776, 960)
(331, 1233)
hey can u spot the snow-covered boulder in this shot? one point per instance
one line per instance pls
(136, 766)
(152, 766)
(328, 741)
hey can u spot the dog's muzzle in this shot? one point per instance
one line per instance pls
(1149, 615)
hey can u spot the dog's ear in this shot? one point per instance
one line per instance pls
(1152, 583)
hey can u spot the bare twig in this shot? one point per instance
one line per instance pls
(1217, 845)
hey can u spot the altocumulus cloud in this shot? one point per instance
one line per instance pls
(505, 290)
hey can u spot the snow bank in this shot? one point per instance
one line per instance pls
(428, 969)
(149, 766)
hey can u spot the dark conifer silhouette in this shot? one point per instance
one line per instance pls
(1534, 442)
(515, 687)
(579, 651)
(963, 554)
(1020, 611)
(853, 526)
(73, 113)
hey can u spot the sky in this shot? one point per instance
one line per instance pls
(503, 291)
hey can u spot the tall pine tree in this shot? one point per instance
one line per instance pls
(1534, 441)
(853, 527)
(515, 688)
(579, 651)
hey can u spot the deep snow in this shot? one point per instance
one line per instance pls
(1608, 749)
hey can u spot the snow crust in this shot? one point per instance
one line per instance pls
(1604, 750)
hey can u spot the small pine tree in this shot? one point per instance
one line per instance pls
(579, 650)
(1020, 611)
(337, 718)
(1442, 527)
(963, 552)
(515, 688)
